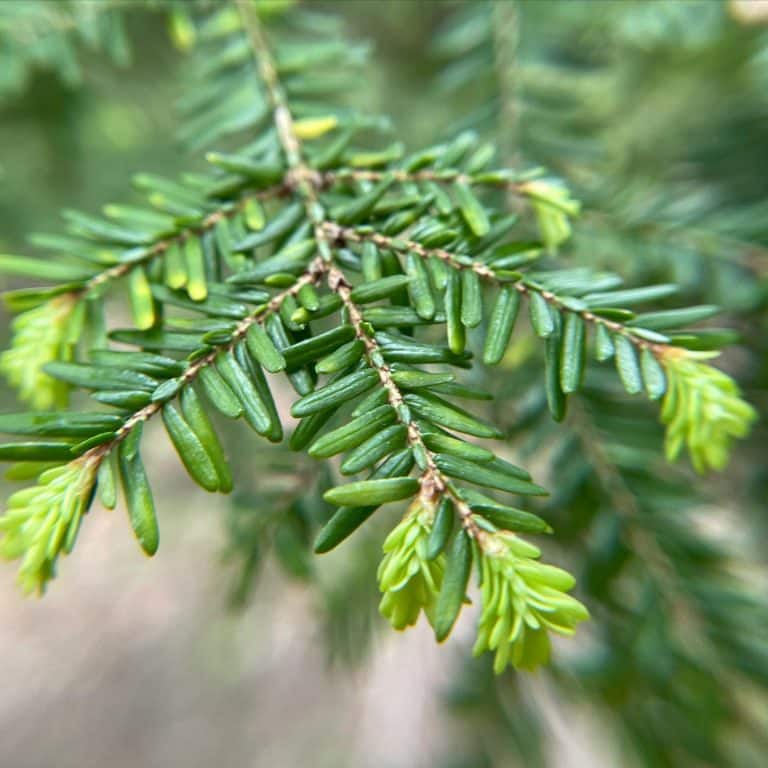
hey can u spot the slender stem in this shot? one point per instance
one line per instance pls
(434, 483)
(447, 176)
(457, 261)
(300, 177)
(311, 276)
(268, 71)
(306, 182)
(461, 262)
(161, 246)
(505, 28)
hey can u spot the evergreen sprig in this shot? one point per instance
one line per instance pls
(306, 254)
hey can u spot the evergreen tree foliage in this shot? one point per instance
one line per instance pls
(379, 287)
(654, 112)
(41, 35)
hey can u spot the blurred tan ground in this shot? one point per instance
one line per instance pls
(750, 11)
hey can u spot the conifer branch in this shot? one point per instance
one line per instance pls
(311, 276)
(663, 368)
(384, 245)
(158, 248)
(461, 262)
(433, 483)
(506, 179)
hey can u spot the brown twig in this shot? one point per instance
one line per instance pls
(306, 182)
(461, 262)
(434, 483)
(448, 176)
(161, 246)
(312, 275)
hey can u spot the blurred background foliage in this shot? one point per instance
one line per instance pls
(656, 113)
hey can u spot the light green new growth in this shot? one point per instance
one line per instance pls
(42, 521)
(409, 581)
(41, 335)
(554, 207)
(522, 599)
(702, 411)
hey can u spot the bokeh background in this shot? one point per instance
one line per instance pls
(218, 651)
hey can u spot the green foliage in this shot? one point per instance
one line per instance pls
(522, 600)
(653, 112)
(663, 164)
(43, 334)
(695, 389)
(363, 275)
(409, 581)
(39, 34)
(554, 207)
(43, 520)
